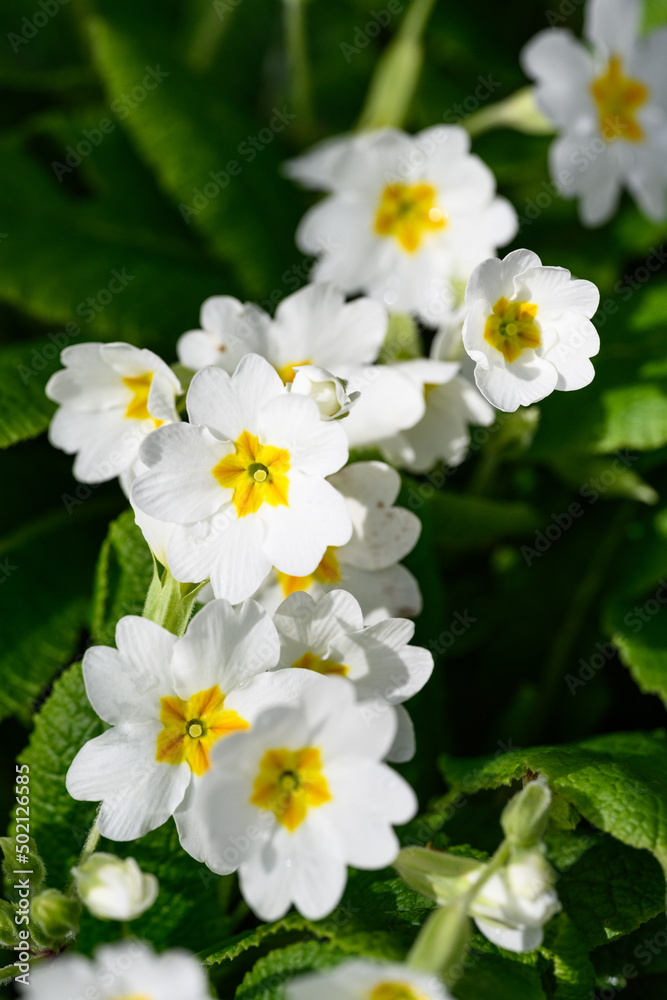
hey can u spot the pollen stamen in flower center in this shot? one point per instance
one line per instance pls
(618, 99)
(257, 473)
(408, 212)
(192, 727)
(511, 328)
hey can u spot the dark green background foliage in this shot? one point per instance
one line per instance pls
(552, 554)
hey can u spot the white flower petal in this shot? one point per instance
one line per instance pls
(119, 767)
(226, 646)
(297, 535)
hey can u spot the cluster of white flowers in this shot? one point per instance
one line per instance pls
(608, 100)
(265, 726)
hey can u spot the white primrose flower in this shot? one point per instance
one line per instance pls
(451, 403)
(111, 396)
(408, 217)
(368, 565)
(128, 970)
(327, 390)
(515, 904)
(168, 701)
(115, 888)
(362, 979)
(229, 330)
(300, 796)
(609, 102)
(328, 637)
(313, 326)
(529, 329)
(244, 481)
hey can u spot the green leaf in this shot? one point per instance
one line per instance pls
(24, 409)
(643, 649)
(199, 145)
(495, 976)
(293, 923)
(45, 584)
(91, 272)
(610, 891)
(617, 782)
(58, 823)
(573, 969)
(270, 974)
(123, 576)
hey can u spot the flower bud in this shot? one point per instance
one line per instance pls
(439, 876)
(54, 916)
(525, 817)
(8, 930)
(327, 390)
(29, 862)
(115, 888)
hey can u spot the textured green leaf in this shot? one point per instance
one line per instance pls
(573, 970)
(123, 576)
(610, 891)
(616, 782)
(270, 974)
(293, 923)
(58, 823)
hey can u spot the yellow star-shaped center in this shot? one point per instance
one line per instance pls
(511, 328)
(192, 727)
(618, 98)
(257, 473)
(408, 212)
(289, 783)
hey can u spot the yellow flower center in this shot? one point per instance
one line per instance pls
(256, 472)
(394, 991)
(310, 661)
(328, 571)
(287, 372)
(408, 212)
(134, 996)
(618, 98)
(137, 408)
(289, 783)
(511, 328)
(192, 727)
